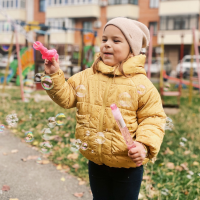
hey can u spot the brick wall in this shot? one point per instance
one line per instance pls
(147, 14)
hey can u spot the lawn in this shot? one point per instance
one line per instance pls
(174, 176)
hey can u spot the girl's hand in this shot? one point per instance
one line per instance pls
(137, 154)
(52, 66)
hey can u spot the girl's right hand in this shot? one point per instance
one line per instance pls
(52, 66)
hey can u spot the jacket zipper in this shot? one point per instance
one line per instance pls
(102, 114)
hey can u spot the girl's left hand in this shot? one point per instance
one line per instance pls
(137, 154)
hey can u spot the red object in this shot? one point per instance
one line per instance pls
(46, 54)
(150, 53)
(39, 86)
(197, 56)
(19, 65)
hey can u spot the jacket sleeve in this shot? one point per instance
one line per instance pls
(151, 121)
(63, 93)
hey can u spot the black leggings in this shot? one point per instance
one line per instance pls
(109, 183)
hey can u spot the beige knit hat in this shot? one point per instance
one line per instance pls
(136, 33)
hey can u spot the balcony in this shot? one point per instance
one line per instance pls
(86, 10)
(178, 7)
(5, 38)
(123, 10)
(173, 37)
(17, 14)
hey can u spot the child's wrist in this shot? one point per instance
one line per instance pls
(145, 148)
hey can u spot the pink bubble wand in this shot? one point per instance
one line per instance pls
(46, 54)
(122, 126)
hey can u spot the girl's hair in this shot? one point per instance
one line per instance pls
(119, 66)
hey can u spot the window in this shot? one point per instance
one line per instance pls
(184, 22)
(155, 27)
(55, 2)
(66, 1)
(87, 25)
(42, 6)
(22, 4)
(3, 4)
(113, 2)
(11, 4)
(60, 1)
(179, 24)
(49, 2)
(16, 3)
(153, 3)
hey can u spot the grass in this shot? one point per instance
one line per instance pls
(165, 179)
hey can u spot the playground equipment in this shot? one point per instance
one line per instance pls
(168, 93)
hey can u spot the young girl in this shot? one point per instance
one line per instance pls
(117, 76)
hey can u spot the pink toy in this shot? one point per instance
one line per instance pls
(46, 54)
(122, 126)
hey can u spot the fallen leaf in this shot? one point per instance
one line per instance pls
(170, 165)
(73, 156)
(72, 140)
(32, 157)
(179, 168)
(81, 183)
(5, 188)
(141, 196)
(187, 152)
(169, 143)
(14, 151)
(169, 173)
(195, 163)
(42, 110)
(76, 166)
(78, 194)
(13, 199)
(168, 151)
(35, 143)
(146, 178)
(23, 159)
(62, 179)
(45, 162)
(67, 135)
(5, 154)
(66, 168)
(14, 131)
(59, 158)
(184, 166)
(59, 167)
(194, 156)
(186, 192)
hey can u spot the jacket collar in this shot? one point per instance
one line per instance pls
(133, 65)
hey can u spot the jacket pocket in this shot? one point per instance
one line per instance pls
(82, 120)
(118, 146)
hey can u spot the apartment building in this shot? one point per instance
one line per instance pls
(170, 19)
(177, 18)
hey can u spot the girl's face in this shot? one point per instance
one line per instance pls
(114, 47)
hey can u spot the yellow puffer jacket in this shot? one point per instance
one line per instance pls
(92, 94)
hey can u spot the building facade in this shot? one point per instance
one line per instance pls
(171, 19)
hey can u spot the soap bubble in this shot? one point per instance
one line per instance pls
(75, 146)
(87, 133)
(100, 138)
(2, 127)
(39, 160)
(141, 89)
(60, 119)
(46, 137)
(46, 130)
(84, 146)
(38, 77)
(81, 91)
(29, 136)
(51, 124)
(28, 85)
(12, 120)
(47, 82)
(169, 124)
(46, 147)
(125, 99)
